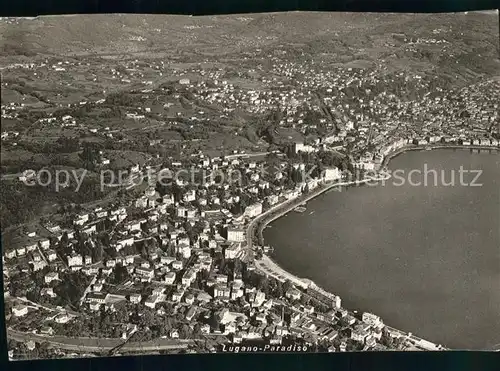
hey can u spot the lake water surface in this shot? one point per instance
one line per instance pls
(424, 258)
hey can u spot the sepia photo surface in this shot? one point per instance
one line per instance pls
(280, 182)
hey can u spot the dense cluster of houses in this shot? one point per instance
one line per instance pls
(182, 233)
(177, 259)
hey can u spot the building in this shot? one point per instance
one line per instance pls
(235, 234)
(48, 291)
(169, 278)
(301, 147)
(359, 335)
(257, 298)
(147, 273)
(21, 251)
(20, 310)
(152, 300)
(253, 210)
(133, 225)
(47, 330)
(184, 250)
(177, 296)
(190, 196)
(222, 292)
(38, 265)
(44, 243)
(293, 294)
(135, 298)
(273, 199)
(74, 260)
(51, 276)
(62, 318)
(51, 255)
(189, 277)
(96, 297)
(177, 265)
(191, 313)
(189, 299)
(332, 174)
(372, 320)
(31, 247)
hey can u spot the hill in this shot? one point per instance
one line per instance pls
(172, 34)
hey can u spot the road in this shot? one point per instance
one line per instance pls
(100, 344)
(270, 268)
(246, 155)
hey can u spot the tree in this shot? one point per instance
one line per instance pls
(197, 329)
(386, 338)
(214, 321)
(120, 274)
(279, 291)
(263, 284)
(287, 285)
(121, 314)
(147, 318)
(265, 204)
(237, 266)
(90, 155)
(185, 331)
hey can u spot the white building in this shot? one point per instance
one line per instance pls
(39, 265)
(188, 277)
(301, 147)
(169, 278)
(372, 320)
(152, 300)
(20, 310)
(135, 298)
(235, 234)
(253, 210)
(147, 273)
(51, 255)
(332, 174)
(51, 276)
(232, 251)
(74, 260)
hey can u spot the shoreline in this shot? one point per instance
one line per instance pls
(387, 159)
(289, 205)
(284, 208)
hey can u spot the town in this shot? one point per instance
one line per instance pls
(177, 264)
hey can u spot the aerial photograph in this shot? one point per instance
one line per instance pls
(289, 182)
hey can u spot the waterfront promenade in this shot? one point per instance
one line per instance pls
(267, 266)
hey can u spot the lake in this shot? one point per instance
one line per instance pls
(426, 258)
